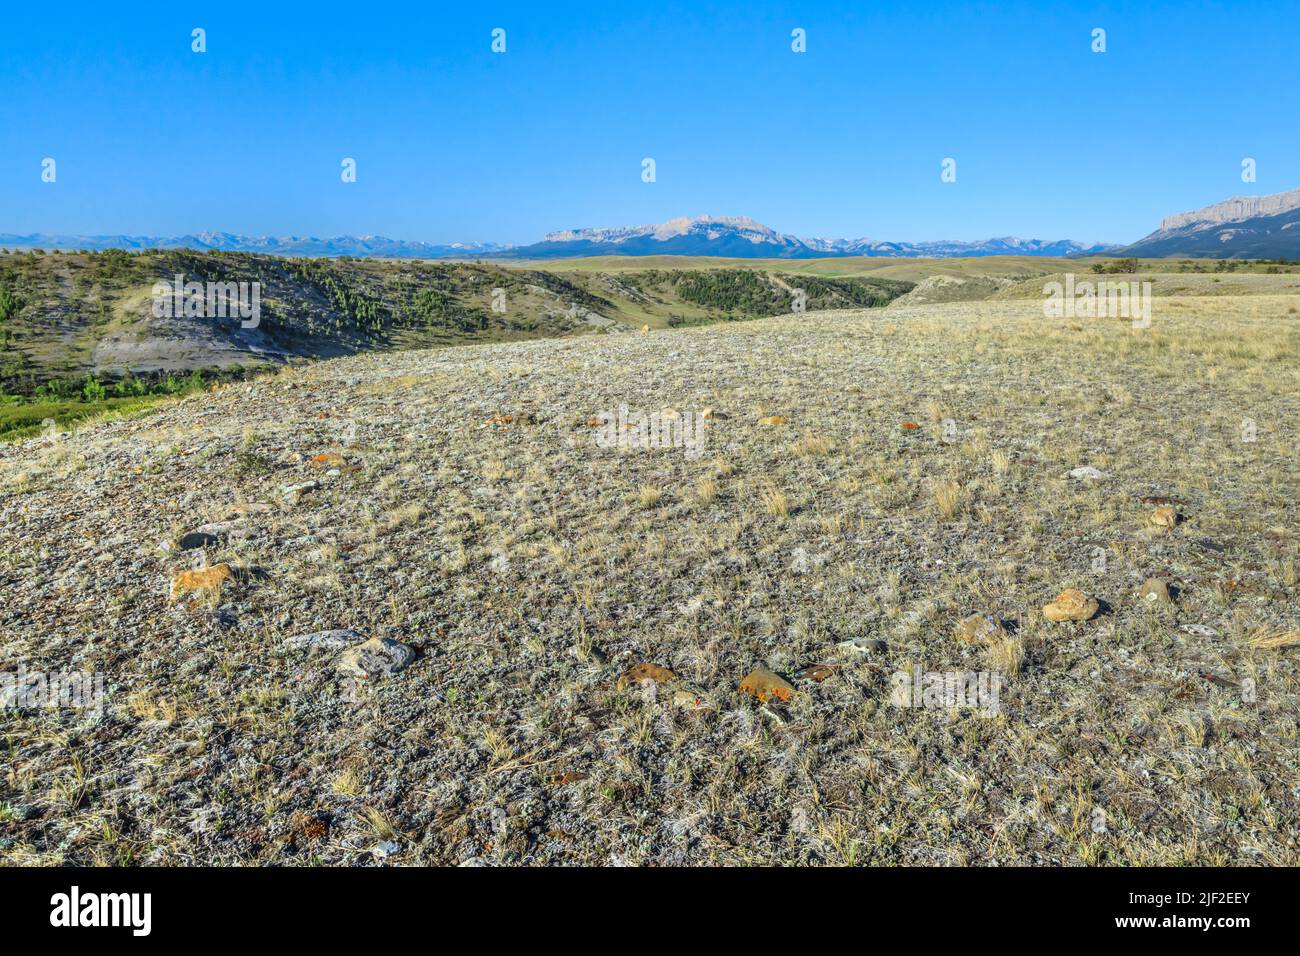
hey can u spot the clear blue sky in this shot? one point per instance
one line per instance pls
(453, 142)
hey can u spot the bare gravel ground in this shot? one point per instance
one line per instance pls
(920, 475)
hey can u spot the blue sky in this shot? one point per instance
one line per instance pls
(453, 142)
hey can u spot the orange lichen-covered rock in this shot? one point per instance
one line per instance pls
(1164, 517)
(639, 672)
(1071, 605)
(204, 579)
(979, 629)
(764, 684)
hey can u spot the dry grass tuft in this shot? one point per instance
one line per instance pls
(774, 500)
(1266, 640)
(812, 446)
(1006, 655)
(347, 782)
(947, 498)
(706, 491)
(647, 496)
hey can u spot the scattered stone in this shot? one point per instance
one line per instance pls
(293, 493)
(814, 672)
(1071, 605)
(1200, 630)
(204, 579)
(377, 657)
(1219, 681)
(1155, 591)
(566, 778)
(864, 645)
(639, 672)
(1087, 472)
(385, 849)
(980, 629)
(763, 684)
(1230, 586)
(688, 699)
(335, 640)
(1164, 517)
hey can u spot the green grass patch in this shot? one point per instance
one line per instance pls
(24, 419)
(67, 401)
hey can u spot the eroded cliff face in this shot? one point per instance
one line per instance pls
(1235, 209)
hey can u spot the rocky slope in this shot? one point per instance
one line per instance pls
(562, 637)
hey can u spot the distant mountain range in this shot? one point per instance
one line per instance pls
(743, 238)
(1256, 227)
(1245, 227)
(307, 246)
(728, 237)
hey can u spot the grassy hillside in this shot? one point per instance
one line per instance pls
(78, 337)
(866, 481)
(69, 316)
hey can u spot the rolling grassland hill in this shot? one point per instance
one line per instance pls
(77, 314)
(447, 606)
(79, 335)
